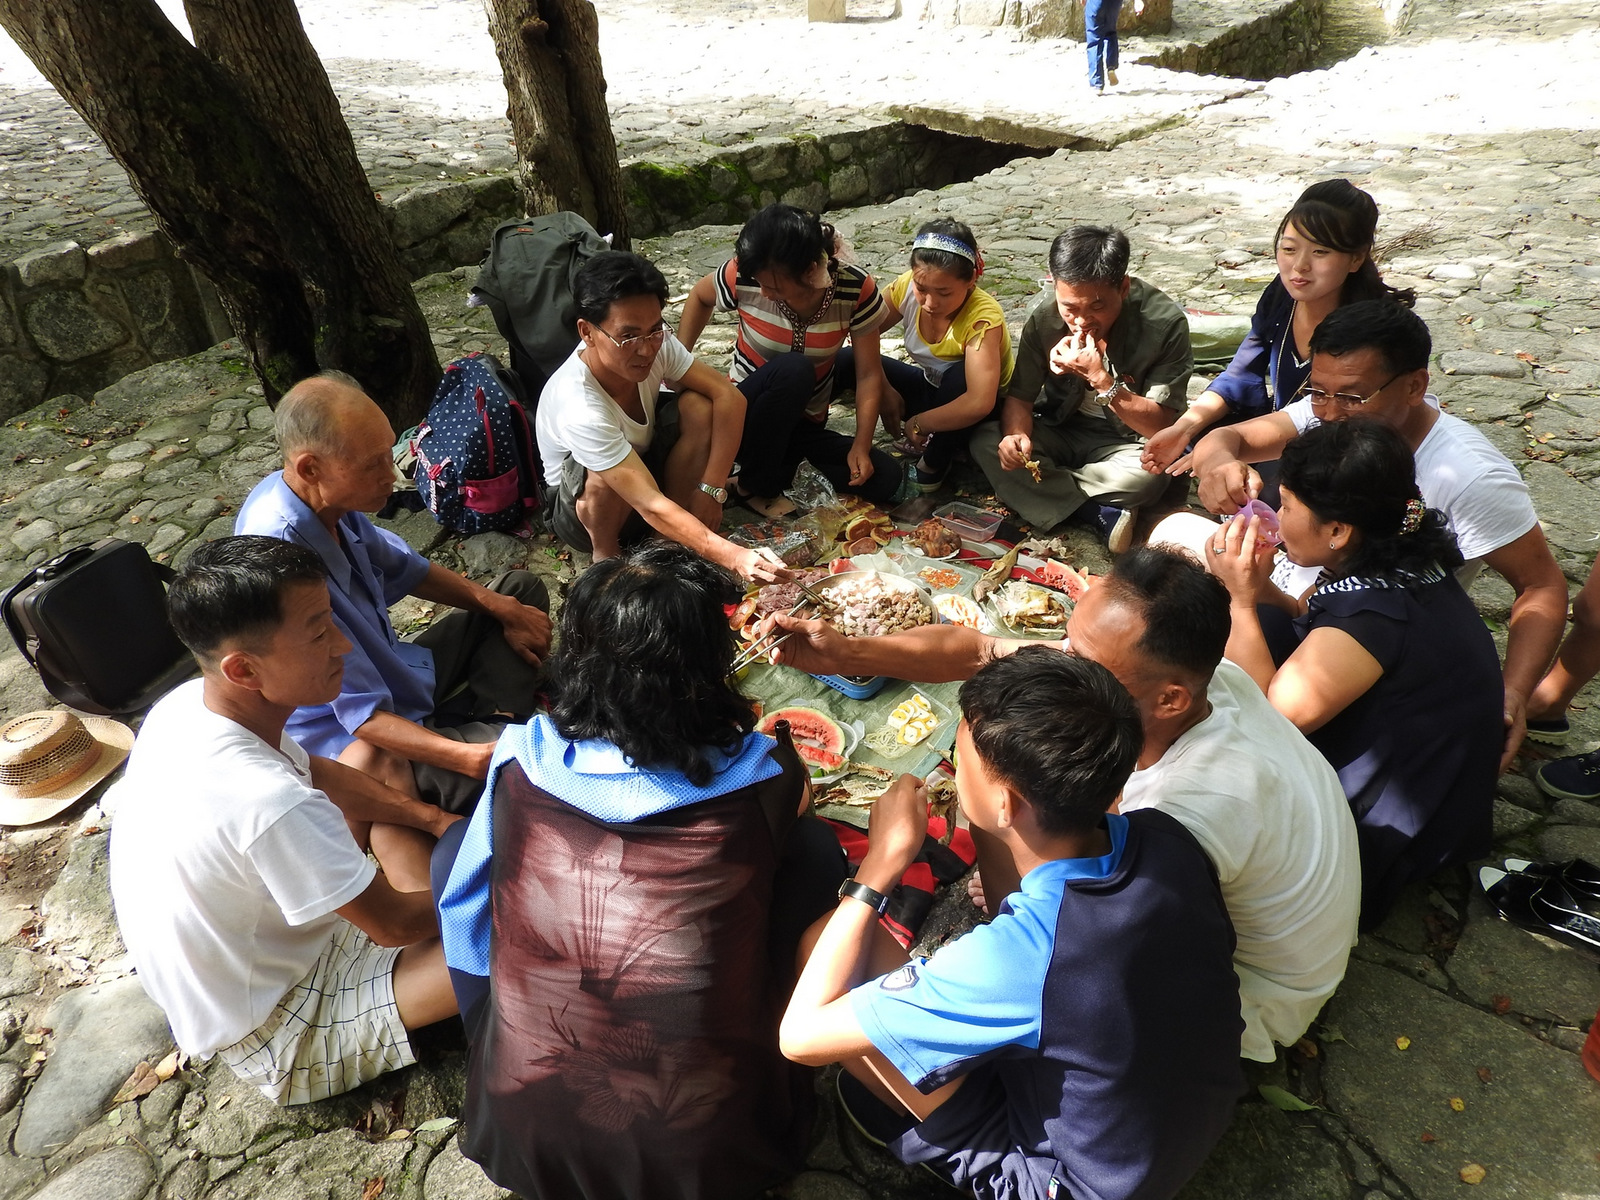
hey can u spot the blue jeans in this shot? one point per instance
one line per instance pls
(1100, 37)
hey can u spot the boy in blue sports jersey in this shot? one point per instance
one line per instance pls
(1085, 1044)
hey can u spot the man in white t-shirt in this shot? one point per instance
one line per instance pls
(1259, 798)
(607, 435)
(238, 865)
(1369, 361)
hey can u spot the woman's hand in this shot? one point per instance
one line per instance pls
(1237, 556)
(917, 435)
(1164, 448)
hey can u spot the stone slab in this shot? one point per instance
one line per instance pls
(121, 1173)
(1531, 1127)
(77, 909)
(102, 1033)
(453, 1176)
(62, 263)
(1268, 1153)
(1542, 980)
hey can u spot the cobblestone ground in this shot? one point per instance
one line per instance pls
(1476, 131)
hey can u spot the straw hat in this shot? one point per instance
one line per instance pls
(51, 758)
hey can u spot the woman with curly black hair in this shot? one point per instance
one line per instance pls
(1389, 670)
(633, 886)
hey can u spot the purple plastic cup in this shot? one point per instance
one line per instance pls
(1267, 531)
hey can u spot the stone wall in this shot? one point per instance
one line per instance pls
(73, 320)
(1279, 42)
(853, 166)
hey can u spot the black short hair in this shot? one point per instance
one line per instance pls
(643, 659)
(1400, 337)
(1090, 254)
(1363, 473)
(1186, 615)
(786, 237)
(1058, 730)
(614, 275)
(948, 261)
(231, 591)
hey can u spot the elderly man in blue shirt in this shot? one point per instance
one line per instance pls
(422, 715)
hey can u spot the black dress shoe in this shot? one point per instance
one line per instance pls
(1543, 905)
(1578, 875)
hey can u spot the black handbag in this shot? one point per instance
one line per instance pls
(93, 622)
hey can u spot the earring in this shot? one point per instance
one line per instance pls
(1333, 545)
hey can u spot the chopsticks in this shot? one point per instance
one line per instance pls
(762, 645)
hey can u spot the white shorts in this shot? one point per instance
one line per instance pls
(334, 1030)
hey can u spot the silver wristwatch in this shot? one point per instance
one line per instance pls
(1115, 392)
(719, 494)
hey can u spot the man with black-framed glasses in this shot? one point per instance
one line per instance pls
(1369, 361)
(620, 455)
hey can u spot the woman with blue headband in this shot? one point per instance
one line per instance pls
(956, 336)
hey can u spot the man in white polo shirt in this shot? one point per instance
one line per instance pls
(1370, 362)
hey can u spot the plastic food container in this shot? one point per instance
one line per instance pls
(972, 524)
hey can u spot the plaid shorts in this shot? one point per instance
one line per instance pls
(334, 1030)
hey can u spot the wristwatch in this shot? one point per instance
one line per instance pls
(1115, 392)
(719, 494)
(871, 897)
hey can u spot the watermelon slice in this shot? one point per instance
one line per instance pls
(818, 739)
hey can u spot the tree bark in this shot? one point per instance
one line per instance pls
(566, 153)
(237, 147)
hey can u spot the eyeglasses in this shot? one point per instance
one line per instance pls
(654, 337)
(1344, 400)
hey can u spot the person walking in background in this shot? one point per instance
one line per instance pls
(1100, 19)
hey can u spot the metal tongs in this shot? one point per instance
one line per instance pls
(763, 644)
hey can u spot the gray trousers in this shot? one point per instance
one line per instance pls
(1079, 463)
(478, 678)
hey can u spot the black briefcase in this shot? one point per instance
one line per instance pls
(93, 622)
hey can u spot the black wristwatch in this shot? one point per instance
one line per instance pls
(871, 897)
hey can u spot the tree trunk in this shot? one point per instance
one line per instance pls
(250, 170)
(566, 153)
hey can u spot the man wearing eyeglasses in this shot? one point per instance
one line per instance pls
(619, 455)
(1370, 361)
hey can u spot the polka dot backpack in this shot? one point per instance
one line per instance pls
(477, 467)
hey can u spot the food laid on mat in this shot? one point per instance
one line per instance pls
(996, 574)
(935, 540)
(1027, 606)
(958, 610)
(939, 578)
(1061, 576)
(819, 740)
(867, 604)
(870, 524)
(914, 719)
(969, 522)
(866, 545)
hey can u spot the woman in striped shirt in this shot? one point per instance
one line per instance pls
(797, 306)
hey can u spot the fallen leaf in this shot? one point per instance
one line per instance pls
(1332, 1033)
(1428, 1137)
(1307, 1048)
(1524, 356)
(1402, 1042)
(399, 1135)
(1472, 1173)
(372, 1188)
(1284, 1101)
(437, 1125)
(168, 1066)
(1457, 1104)
(1485, 1075)
(141, 1083)
(1502, 1004)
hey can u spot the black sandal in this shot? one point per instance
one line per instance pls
(1542, 905)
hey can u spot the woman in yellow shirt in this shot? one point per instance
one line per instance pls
(956, 336)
